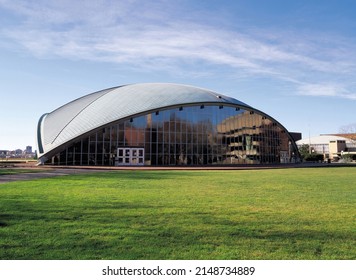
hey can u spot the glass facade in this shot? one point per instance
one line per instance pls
(184, 135)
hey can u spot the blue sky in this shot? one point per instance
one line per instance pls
(294, 60)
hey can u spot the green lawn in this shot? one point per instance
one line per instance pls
(10, 171)
(245, 214)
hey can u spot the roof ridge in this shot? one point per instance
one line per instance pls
(85, 107)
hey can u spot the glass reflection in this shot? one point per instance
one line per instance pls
(191, 135)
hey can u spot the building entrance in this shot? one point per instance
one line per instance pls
(130, 156)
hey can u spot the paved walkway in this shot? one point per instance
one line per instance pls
(42, 174)
(51, 171)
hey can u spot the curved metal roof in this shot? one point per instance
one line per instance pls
(97, 109)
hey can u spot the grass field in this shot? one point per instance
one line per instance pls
(10, 171)
(246, 214)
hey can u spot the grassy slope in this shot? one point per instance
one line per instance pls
(259, 214)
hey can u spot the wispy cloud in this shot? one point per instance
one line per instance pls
(326, 90)
(137, 33)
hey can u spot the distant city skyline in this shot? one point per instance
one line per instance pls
(22, 149)
(17, 153)
(294, 60)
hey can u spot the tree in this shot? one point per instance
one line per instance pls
(349, 131)
(308, 155)
(304, 151)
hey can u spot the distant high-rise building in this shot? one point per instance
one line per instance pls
(28, 149)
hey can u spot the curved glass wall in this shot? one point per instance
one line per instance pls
(188, 135)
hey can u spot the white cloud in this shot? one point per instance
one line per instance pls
(327, 90)
(158, 36)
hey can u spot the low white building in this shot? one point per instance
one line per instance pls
(331, 146)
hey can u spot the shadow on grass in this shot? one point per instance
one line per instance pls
(3, 220)
(145, 175)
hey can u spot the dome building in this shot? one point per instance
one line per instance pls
(158, 124)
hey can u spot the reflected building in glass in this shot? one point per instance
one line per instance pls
(161, 125)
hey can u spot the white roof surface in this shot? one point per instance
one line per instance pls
(97, 109)
(321, 140)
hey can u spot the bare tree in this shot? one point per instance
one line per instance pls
(348, 129)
